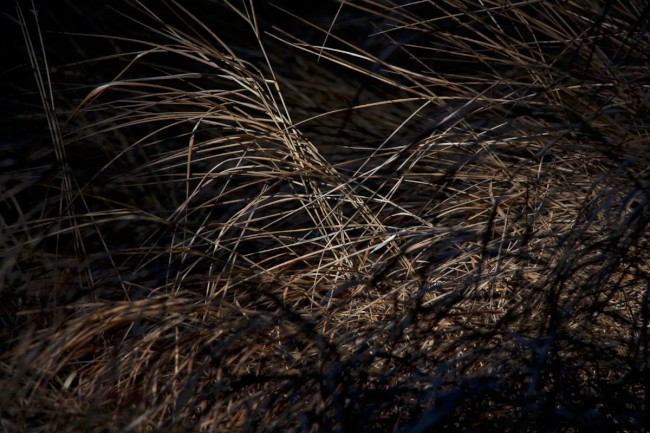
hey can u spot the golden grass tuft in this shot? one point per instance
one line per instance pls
(378, 216)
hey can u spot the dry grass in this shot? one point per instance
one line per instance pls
(386, 216)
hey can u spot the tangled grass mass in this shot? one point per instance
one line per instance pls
(338, 216)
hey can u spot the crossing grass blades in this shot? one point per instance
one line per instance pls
(374, 216)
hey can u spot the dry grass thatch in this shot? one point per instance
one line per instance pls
(380, 216)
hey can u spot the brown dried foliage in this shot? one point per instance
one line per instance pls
(392, 216)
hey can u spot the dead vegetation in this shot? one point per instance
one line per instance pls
(381, 216)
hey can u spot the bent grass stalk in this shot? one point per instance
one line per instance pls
(427, 216)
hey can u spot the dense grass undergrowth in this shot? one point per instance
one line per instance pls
(358, 216)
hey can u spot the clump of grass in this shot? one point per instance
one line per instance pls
(409, 217)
